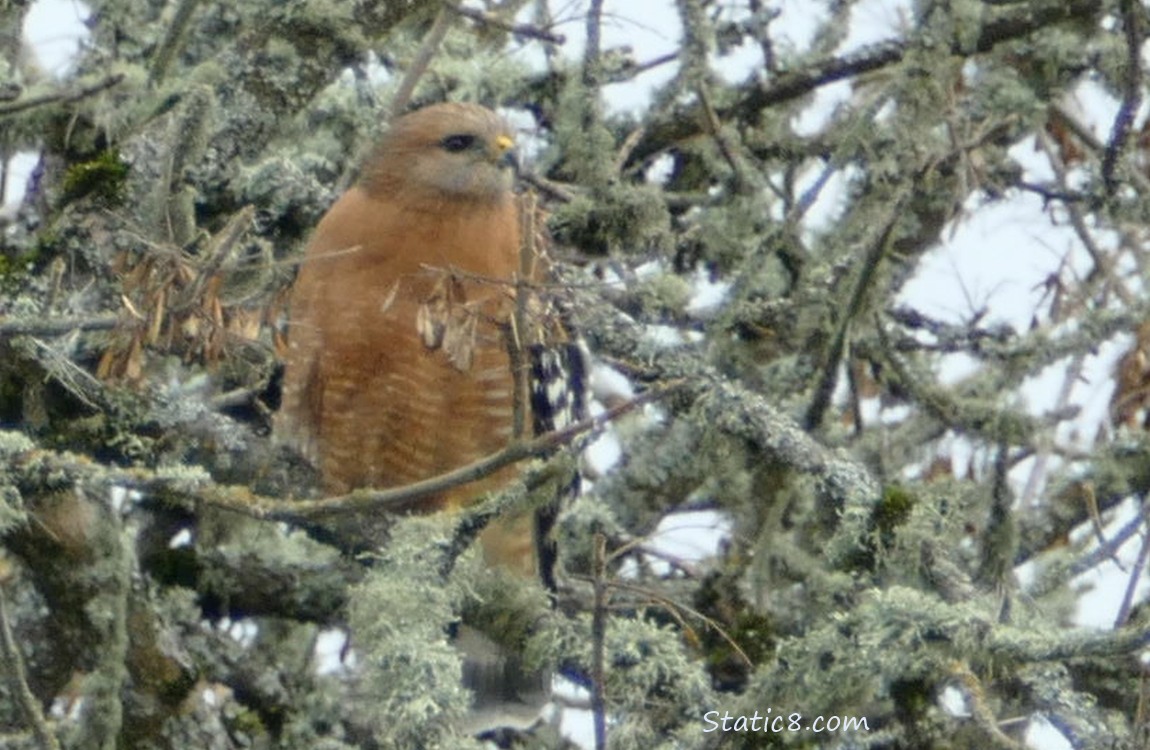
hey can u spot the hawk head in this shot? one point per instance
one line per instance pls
(460, 152)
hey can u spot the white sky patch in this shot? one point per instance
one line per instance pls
(55, 30)
(874, 21)
(1026, 574)
(607, 382)
(659, 170)
(182, 538)
(641, 32)
(209, 697)
(603, 452)
(1093, 107)
(243, 631)
(650, 270)
(739, 63)
(953, 701)
(1097, 380)
(20, 168)
(687, 538)
(830, 201)
(707, 295)
(665, 336)
(1042, 735)
(1106, 584)
(119, 497)
(527, 143)
(893, 415)
(576, 723)
(815, 117)
(962, 454)
(690, 537)
(870, 409)
(956, 367)
(996, 261)
(329, 653)
(795, 27)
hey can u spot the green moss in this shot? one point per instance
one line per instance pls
(103, 177)
(248, 723)
(894, 509)
(21, 263)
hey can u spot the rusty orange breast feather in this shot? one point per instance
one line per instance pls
(391, 410)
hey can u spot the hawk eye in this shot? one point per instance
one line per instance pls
(457, 143)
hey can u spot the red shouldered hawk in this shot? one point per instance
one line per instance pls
(398, 367)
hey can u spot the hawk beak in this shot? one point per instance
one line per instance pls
(508, 157)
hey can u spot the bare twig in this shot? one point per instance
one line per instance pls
(654, 62)
(683, 123)
(518, 29)
(56, 326)
(527, 255)
(422, 59)
(399, 497)
(18, 682)
(592, 51)
(868, 270)
(61, 96)
(552, 189)
(1132, 582)
(715, 130)
(981, 712)
(1107, 549)
(599, 641)
(217, 253)
(173, 39)
(674, 608)
(1131, 90)
(1103, 262)
(629, 144)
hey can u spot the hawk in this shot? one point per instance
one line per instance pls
(398, 366)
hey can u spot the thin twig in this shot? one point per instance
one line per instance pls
(683, 123)
(674, 608)
(527, 254)
(56, 326)
(398, 497)
(1103, 262)
(421, 61)
(365, 501)
(218, 252)
(1132, 582)
(715, 130)
(1132, 90)
(61, 96)
(868, 270)
(554, 190)
(653, 63)
(518, 29)
(982, 714)
(629, 144)
(599, 641)
(173, 40)
(18, 682)
(592, 50)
